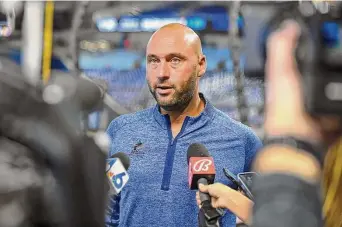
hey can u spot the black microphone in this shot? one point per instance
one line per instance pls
(202, 171)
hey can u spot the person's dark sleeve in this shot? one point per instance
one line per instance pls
(286, 201)
(112, 216)
(113, 212)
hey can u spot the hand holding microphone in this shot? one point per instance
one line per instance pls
(213, 196)
(218, 193)
(202, 171)
(223, 196)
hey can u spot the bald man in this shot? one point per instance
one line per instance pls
(157, 138)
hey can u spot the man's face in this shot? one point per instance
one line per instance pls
(172, 70)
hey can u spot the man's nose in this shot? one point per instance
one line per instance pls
(164, 72)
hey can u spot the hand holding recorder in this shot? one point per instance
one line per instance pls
(223, 196)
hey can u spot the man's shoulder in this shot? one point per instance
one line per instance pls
(133, 119)
(226, 121)
(135, 116)
(239, 129)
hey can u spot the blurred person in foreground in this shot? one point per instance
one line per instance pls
(44, 158)
(157, 138)
(288, 191)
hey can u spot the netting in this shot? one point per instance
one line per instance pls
(129, 89)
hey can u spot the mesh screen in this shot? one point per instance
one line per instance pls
(129, 88)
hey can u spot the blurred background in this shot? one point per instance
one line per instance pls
(109, 45)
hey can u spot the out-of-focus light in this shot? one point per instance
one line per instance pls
(152, 24)
(129, 24)
(95, 46)
(107, 24)
(5, 30)
(331, 34)
(196, 23)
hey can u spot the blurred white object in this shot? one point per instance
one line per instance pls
(103, 141)
(11, 6)
(10, 9)
(32, 40)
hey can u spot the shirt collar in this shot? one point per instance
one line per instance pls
(204, 116)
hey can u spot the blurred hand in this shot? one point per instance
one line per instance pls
(284, 107)
(218, 193)
(223, 196)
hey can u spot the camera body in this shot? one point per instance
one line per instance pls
(318, 53)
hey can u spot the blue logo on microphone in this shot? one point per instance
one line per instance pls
(110, 163)
(118, 180)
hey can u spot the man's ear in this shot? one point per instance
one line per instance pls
(202, 65)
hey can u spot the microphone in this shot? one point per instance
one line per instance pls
(202, 171)
(201, 166)
(116, 171)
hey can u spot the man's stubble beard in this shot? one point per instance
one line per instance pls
(180, 98)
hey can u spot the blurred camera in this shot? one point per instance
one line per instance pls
(319, 51)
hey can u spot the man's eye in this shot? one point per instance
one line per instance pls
(153, 60)
(175, 60)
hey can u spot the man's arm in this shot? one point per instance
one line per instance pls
(252, 145)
